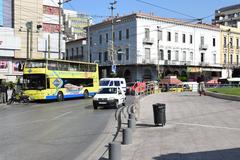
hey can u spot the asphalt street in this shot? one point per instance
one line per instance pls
(51, 131)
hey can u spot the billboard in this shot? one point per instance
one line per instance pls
(1, 12)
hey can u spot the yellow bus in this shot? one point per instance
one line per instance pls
(46, 79)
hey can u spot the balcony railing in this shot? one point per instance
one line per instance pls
(203, 46)
(148, 41)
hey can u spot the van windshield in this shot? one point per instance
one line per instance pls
(108, 91)
(104, 83)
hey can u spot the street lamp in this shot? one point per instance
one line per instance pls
(60, 27)
(29, 26)
(112, 7)
(228, 65)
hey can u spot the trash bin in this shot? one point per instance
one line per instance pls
(159, 114)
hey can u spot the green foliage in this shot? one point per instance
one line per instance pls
(183, 78)
(227, 90)
(10, 85)
(112, 75)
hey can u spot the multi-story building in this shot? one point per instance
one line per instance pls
(9, 42)
(146, 46)
(77, 50)
(230, 49)
(74, 24)
(28, 29)
(228, 16)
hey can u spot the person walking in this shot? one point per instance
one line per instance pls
(201, 85)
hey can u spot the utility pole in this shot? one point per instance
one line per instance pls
(88, 39)
(158, 76)
(112, 7)
(228, 65)
(49, 46)
(60, 2)
(29, 46)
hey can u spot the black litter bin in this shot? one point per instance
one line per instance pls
(159, 114)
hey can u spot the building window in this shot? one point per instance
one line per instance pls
(81, 51)
(231, 42)
(120, 35)
(100, 39)
(214, 42)
(169, 54)
(66, 54)
(106, 37)
(184, 38)
(202, 57)
(225, 59)
(161, 54)
(237, 43)
(90, 41)
(191, 39)
(160, 35)
(147, 33)
(147, 54)
(105, 56)
(177, 55)
(191, 56)
(72, 53)
(127, 33)
(113, 36)
(184, 57)
(202, 40)
(214, 59)
(176, 37)
(231, 59)
(225, 42)
(77, 56)
(119, 55)
(127, 54)
(100, 57)
(169, 36)
(237, 59)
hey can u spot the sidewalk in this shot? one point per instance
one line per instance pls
(198, 128)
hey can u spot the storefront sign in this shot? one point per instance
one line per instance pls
(194, 69)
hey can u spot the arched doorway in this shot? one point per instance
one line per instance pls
(168, 73)
(127, 75)
(176, 73)
(147, 76)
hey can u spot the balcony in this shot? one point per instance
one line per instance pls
(148, 41)
(203, 47)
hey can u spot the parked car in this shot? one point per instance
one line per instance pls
(135, 87)
(109, 96)
(118, 82)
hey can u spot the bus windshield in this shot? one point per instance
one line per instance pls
(34, 82)
(36, 64)
(104, 83)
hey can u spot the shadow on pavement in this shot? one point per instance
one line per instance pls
(103, 159)
(145, 125)
(226, 154)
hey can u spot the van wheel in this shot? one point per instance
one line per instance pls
(95, 107)
(86, 94)
(60, 97)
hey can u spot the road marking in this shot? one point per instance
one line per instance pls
(61, 115)
(208, 126)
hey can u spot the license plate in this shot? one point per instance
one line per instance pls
(102, 102)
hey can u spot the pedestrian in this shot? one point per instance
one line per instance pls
(201, 85)
(1, 91)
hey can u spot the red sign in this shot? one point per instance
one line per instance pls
(50, 10)
(51, 28)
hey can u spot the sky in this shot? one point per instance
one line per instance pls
(180, 9)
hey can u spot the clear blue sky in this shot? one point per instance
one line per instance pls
(192, 8)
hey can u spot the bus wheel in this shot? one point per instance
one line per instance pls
(86, 95)
(60, 96)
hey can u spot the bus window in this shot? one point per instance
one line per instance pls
(34, 81)
(35, 64)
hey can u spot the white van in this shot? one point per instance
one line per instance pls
(114, 82)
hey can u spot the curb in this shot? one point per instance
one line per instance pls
(223, 96)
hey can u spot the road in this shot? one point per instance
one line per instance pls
(51, 131)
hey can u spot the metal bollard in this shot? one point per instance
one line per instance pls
(131, 124)
(127, 136)
(114, 151)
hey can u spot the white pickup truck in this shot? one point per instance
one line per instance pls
(109, 97)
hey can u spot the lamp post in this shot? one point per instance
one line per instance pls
(228, 65)
(112, 7)
(29, 26)
(60, 27)
(158, 34)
